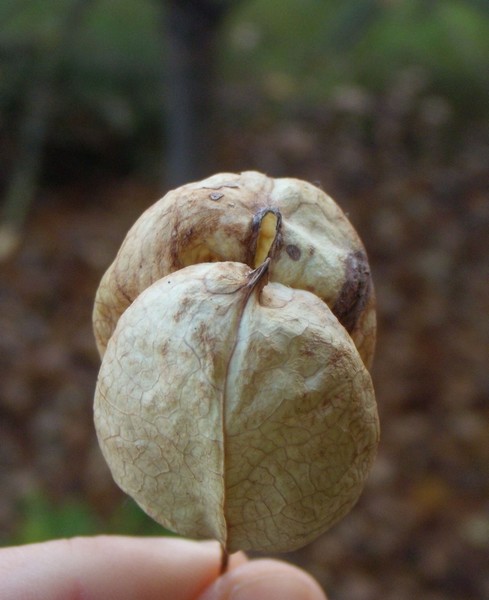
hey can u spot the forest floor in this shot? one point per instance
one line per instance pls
(421, 528)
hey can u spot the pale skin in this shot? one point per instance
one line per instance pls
(125, 568)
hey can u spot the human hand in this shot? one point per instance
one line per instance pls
(128, 568)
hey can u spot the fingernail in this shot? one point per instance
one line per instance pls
(275, 587)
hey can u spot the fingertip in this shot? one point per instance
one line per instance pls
(265, 579)
(111, 567)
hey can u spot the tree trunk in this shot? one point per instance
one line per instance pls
(191, 28)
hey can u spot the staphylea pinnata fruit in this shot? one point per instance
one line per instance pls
(236, 327)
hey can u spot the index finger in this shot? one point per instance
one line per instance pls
(110, 567)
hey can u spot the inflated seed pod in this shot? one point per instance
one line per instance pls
(236, 411)
(234, 400)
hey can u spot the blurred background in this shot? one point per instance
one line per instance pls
(107, 104)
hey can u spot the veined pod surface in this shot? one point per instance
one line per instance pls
(231, 406)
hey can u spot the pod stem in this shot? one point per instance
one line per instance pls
(224, 560)
(257, 277)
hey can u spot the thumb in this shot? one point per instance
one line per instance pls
(264, 579)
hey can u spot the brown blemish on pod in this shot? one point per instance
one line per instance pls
(293, 251)
(355, 292)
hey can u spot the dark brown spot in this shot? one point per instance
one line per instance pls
(216, 195)
(355, 292)
(293, 251)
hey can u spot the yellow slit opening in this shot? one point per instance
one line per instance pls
(266, 235)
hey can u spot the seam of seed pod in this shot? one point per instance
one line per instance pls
(256, 280)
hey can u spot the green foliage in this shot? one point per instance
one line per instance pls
(315, 45)
(112, 69)
(41, 519)
(284, 49)
(451, 42)
(129, 519)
